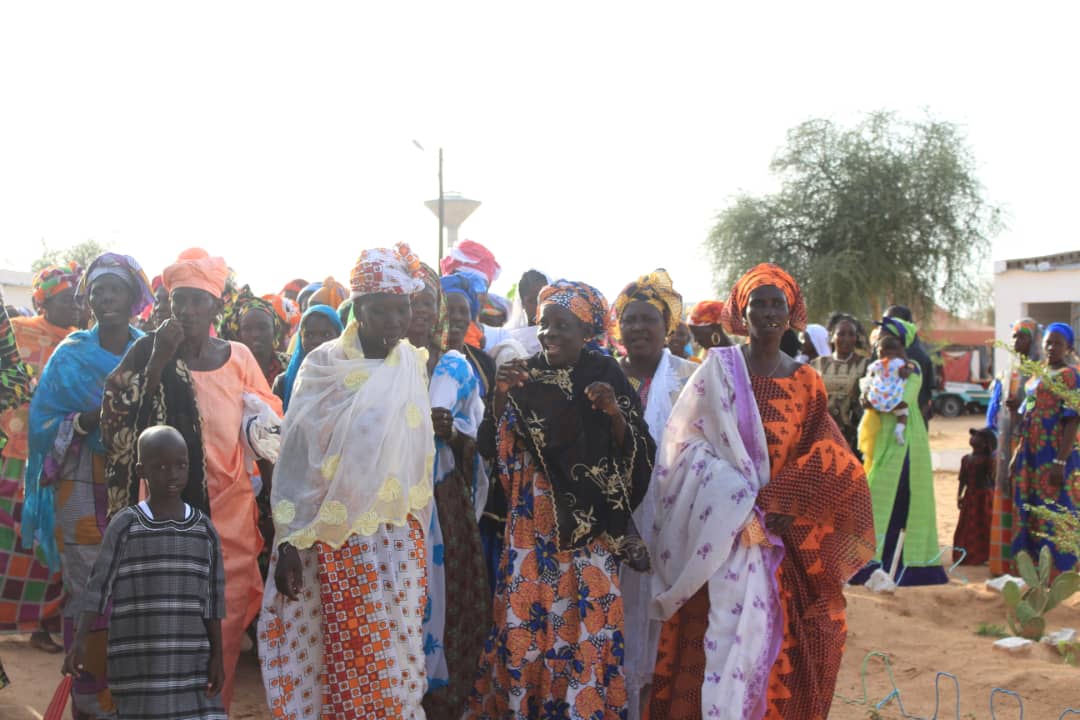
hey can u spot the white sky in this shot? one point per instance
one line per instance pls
(601, 137)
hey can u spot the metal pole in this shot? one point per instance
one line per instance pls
(441, 216)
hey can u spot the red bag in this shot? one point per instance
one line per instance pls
(59, 700)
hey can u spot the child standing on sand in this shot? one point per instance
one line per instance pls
(975, 498)
(160, 566)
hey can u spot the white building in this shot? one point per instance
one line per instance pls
(1044, 288)
(17, 287)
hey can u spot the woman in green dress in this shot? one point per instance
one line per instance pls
(901, 481)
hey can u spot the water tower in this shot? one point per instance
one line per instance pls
(456, 209)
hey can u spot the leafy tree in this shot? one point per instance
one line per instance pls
(82, 253)
(887, 211)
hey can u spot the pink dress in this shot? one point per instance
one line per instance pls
(219, 395)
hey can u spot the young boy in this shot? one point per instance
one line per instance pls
(975, 498)
(160, 566)
(883, 386)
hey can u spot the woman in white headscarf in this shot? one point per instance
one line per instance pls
(340, 632)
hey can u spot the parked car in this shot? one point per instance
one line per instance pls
(957, 398)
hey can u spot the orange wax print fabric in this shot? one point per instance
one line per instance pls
(36, 339)
(556, 647)
(351, 646)
(814, 478)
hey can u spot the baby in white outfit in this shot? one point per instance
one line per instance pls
(885, 381)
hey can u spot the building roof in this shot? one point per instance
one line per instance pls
(947, 329)
(1069, 260)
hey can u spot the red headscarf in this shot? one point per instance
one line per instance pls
(471, 255)
(706, 312)
(764, 274)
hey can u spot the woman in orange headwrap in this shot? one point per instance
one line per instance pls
(204, 387)
(815, 502)
(706, 325)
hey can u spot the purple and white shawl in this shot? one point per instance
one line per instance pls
(709, 469)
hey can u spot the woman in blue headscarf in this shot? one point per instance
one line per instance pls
(462, 291)
(65, 471)
(1046, 469)
(318, 324)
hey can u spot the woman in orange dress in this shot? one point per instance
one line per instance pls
(206, 388)
(816, 502)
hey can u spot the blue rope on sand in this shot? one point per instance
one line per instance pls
(1002, 691)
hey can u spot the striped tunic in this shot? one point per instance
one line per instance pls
(165, 579)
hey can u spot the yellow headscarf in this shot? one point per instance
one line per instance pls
(655, 289)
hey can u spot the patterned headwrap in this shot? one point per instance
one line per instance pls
(584, 301)
(468, 284)
(760, 276)
(900, 328)
(287, 310)
(52, 280)
(194, 268)
(471, 255)
(1026, 325)
(244, 301)
(331, 293)
(125, 268)
(706, 312)
(1062, 329)
(295, 286)
(655, 289)
(396, 271)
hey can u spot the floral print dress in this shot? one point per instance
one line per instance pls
(1041, 425)
(557, 646)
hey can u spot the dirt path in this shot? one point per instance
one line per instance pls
(923, 630)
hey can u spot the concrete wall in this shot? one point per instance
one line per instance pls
(16, 287)
(1019, 293)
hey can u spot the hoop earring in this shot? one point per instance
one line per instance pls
(715, 338)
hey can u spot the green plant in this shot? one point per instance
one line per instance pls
(988, 630)
(1026, 610)
(1068, 652)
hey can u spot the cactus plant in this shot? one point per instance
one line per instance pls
(1026, 610)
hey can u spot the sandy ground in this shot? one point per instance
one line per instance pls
(923, 631)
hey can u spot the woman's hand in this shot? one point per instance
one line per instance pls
(443, 422)
(511, 374)
(74, 662)
(167, 339)
(778, 524)
(603, 399)
(1055, 476)
(90, 420)
(215, 674)
(288, 575)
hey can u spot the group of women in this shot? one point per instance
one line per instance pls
(459, 521)
(635, 494)
(1038, 449)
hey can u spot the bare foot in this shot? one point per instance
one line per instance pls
(43, 641)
